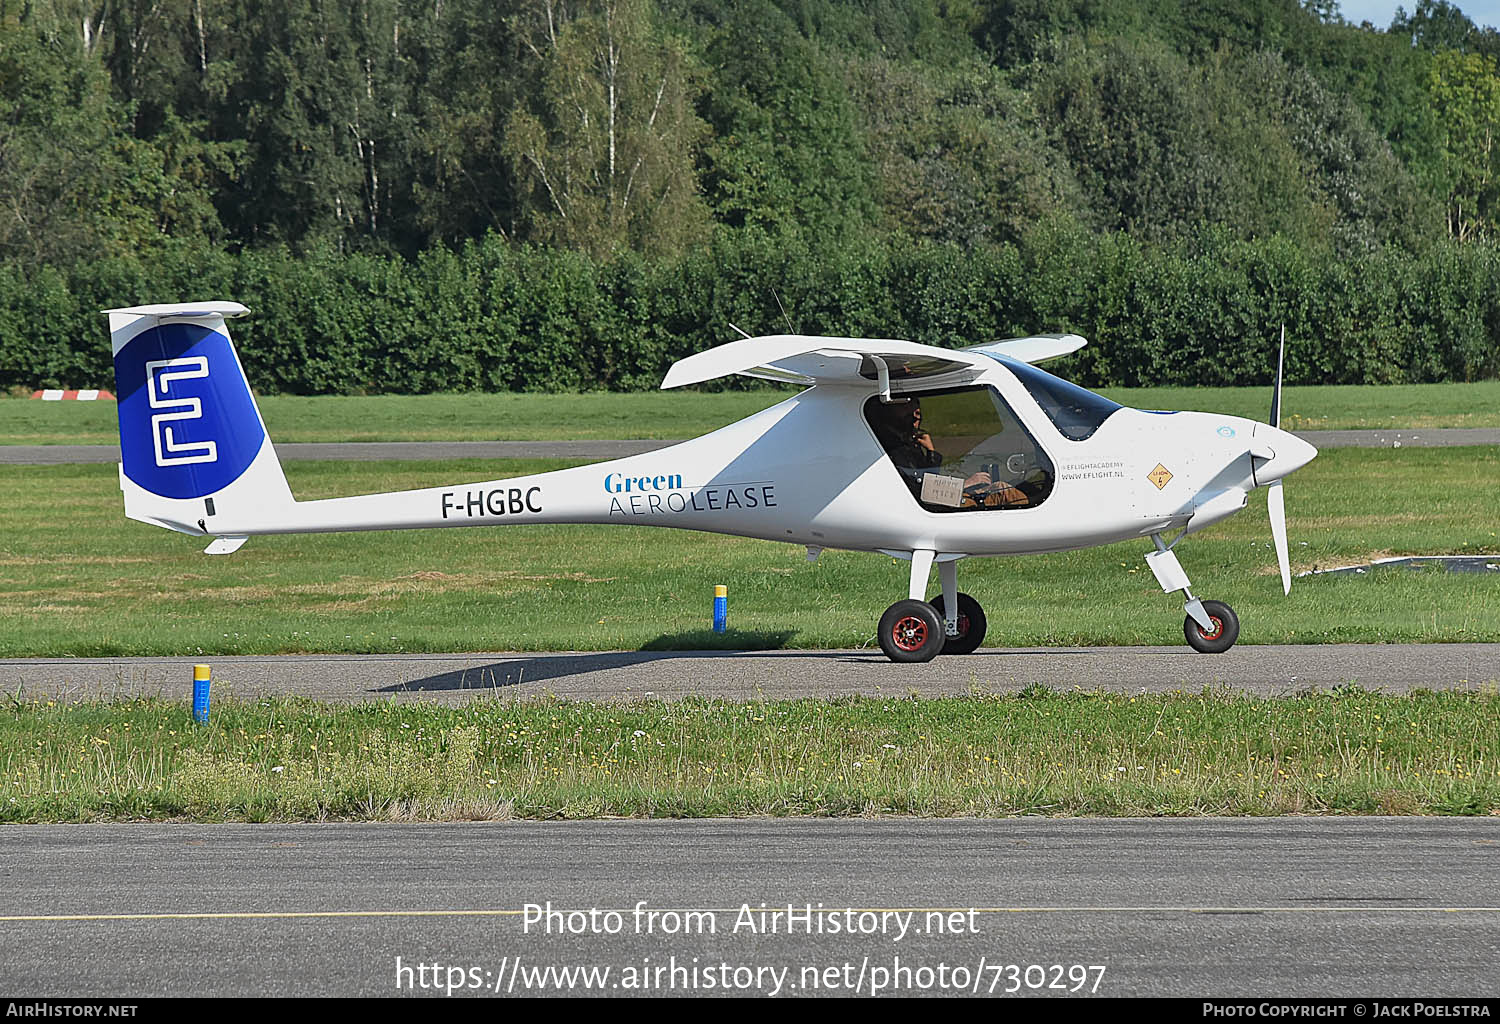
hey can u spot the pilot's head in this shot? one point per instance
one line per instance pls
(906, 415)
(901, 419)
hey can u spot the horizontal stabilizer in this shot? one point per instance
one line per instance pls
(184, 309)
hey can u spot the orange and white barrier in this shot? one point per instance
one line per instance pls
(82, 396)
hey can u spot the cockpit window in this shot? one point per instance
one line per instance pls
(961, 450)
(1076, 412)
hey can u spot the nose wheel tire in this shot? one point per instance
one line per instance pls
(911, 631)
(971, 625)
(1222, 637)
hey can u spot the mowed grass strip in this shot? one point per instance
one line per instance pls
(1038, 752)
(682, 414)
(496, 417)
(78, 579)
(1336, 406)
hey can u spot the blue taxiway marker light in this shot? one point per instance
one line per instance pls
(200, 694)
(721, 608)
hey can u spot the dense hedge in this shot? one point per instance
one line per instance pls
(495, 317)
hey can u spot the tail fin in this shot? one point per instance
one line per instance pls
(192, 443)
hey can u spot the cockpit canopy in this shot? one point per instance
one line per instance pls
(1076, 412)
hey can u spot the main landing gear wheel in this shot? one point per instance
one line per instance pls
(971, 625)
(911, 631)
(1225, 632)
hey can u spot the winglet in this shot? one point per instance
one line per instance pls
(1036, 349)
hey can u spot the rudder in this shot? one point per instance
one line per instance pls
(192, 441)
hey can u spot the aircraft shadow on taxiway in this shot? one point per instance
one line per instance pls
(522, 669)
(542, 668)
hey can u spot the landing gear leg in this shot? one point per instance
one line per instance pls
(963, 620)
(1211, 627)
(912, 630)
(948, 577)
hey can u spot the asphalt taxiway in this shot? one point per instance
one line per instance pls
(741, 675)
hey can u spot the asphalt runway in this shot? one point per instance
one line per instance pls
(634, 675)
(1405, 438)
(55, 454)
(1282, 907)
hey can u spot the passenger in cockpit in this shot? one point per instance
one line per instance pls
(984, 489)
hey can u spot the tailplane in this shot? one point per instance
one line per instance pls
(192, 442)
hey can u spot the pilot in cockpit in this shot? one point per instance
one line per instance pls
(898, 427)
(899, 431)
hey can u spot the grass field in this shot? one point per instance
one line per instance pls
(680, 414)
(1039, 752)
(78, 579)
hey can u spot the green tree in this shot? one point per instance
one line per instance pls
(1434, 25)
(960, 155)
(1131, 119)
(463, 184)
(319, 96)
(606, 144)
(788, 154)
(1466, 95)
(74, 183)
(1385, 77)
(1162, 145)
(1327, 170)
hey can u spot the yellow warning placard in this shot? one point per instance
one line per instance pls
(1159, 476)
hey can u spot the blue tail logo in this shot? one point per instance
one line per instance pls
(188, 426)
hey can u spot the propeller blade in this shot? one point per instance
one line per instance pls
(1276, 505)
(1276, 392)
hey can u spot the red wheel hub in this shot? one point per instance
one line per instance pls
(910, 633)
(1214, 633)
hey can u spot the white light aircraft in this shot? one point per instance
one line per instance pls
(922, 453)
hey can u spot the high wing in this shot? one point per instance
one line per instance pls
(808, 359)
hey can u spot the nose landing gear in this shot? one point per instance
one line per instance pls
(1225, 631)
(1211, 627)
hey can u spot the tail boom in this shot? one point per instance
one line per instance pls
(196, 457)
(682, 486)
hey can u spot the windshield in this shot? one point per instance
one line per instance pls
(1076, 412)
